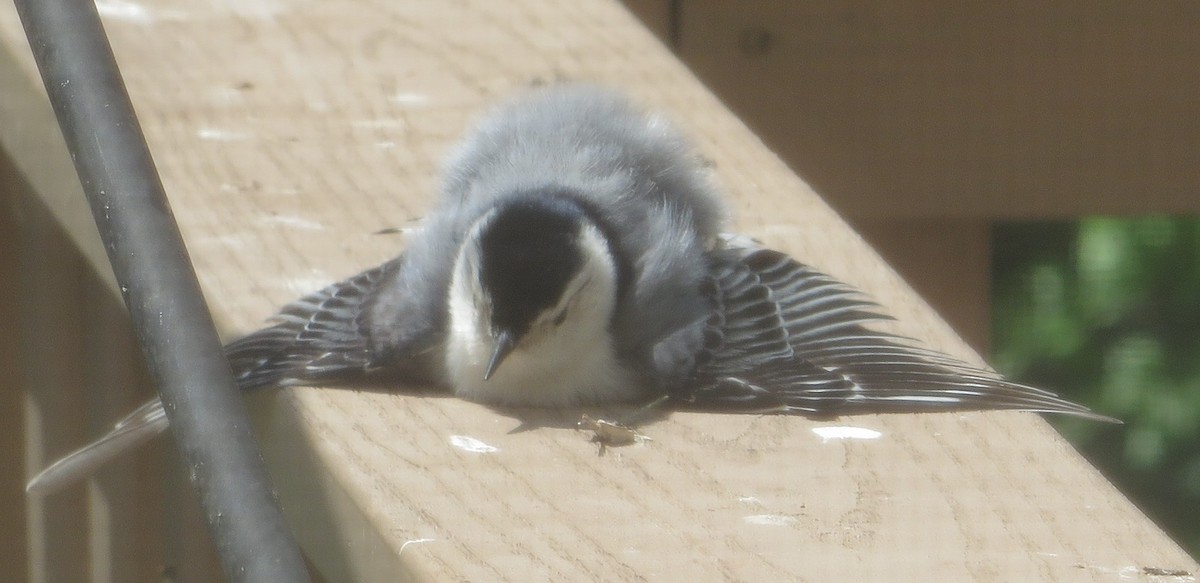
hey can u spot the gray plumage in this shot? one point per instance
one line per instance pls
(575, 257)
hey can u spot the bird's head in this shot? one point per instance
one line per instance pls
(535, 279)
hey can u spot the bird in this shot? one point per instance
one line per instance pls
(577, 255)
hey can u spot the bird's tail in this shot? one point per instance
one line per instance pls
(135, 429)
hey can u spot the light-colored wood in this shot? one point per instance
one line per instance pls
(1020, 109)
(286, 133)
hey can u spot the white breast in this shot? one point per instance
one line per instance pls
(569, 369)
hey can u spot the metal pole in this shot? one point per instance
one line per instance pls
(172, 321)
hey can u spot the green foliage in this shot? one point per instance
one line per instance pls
(1106, 312)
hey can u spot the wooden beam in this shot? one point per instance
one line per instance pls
(1018, 110)
(286, 134)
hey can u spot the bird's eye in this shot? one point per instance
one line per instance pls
(560, 317)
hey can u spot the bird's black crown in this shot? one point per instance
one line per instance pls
(529, 252)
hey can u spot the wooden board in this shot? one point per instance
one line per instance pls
(1015, 110)
(287, 133)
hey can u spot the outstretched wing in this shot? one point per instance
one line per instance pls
(784, 338)
(320, 336)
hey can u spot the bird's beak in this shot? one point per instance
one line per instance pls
(505, 342)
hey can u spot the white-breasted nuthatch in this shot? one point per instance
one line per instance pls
(576, 258)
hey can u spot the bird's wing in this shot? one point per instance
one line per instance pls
(318, 337)
(784, 338)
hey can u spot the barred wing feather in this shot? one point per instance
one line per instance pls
(785, 338)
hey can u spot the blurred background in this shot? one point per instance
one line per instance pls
(1033, 169)
(1106, 310)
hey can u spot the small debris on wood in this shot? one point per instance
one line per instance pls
(610, 434)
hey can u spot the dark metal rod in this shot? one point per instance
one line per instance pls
(156, 277)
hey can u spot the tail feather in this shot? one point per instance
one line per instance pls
(135, 429)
